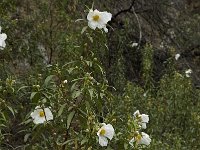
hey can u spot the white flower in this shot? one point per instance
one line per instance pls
(146, 140)
(142, 119)
(145, 94)
(106, 131)
(177, 56)
(3, 37)
(134, 44)
(142, 138)
(97, 19)
(40, 115)
(188, 72)
(65, 81)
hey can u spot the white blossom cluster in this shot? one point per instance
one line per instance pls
(3, 37)
(140, 137)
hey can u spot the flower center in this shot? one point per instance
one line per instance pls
(138, 137)
(139, 118)
(41, 113)
(102, 132)
(96, 17)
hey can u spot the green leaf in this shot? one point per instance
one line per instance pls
(84, 141)
(33, 95)
(26, 122)
(84, 29)
(26, 137)
(87, 105)
(89, 63)
(91, 91)
(69, 118)
(101, 69)
(48, 79)
(66, 142)
(125, 146)
(70, 108)
(2, 125)
(91, 39)
(68, 63)
(61, 109)
(23, 87)
(12, 111)
(70, 70)
(102, 95)
(74, 86)
(3, 117)
(76, 94)
(84, 113)
(109, 148)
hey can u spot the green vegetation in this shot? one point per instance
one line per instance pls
(86, 77)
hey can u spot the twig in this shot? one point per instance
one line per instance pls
(125, 10)
(139, 26)
(51, 32)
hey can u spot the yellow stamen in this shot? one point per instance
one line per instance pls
(139, 118)
(102, 132)
(138, 137)
(96, 17)
(42, 114)
(137, 115)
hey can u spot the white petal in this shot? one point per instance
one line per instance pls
(103, 141)
(177, 56)
(103, 125)
(65, 81)
(3, 36)
(101, 24)
(36, 112)
(48, 114)
(98, 133)
(145, 118)
(132, 141)
(188, 71)
(3, 44)
(90, 15)
(105, 29)
(187, 75)
(38, 107)
(96, 12)
(145, 139)
(137, 112)
(134, 44)
(39, 120)
(92, 24)
(109, 131)
(144, 126)
(105, 16)
(0, 29)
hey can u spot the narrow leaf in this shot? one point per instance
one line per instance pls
(76, 94)
(91, 91)
(48, 79)
(84, 29)
(61, 109)
(33, 95)
(69, 118)
(12, 111)
(26, 137)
